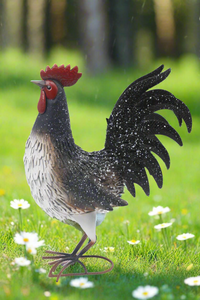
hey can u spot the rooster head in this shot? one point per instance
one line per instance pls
(53, 79)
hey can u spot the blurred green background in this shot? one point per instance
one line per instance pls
(108, 33)
(113, 42)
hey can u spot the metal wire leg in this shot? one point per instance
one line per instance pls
(66, 260)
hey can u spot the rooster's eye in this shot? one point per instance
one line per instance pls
(50, 89)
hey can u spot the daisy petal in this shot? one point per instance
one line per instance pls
(82, 283)
(184, 236)
(145, 292)
(159, 210)
(16, 204)
(163, 225)
(22, 261)
(192, 281)
(133, 242)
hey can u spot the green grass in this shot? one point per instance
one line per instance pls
(90, 102)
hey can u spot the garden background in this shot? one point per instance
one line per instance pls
(113, 42)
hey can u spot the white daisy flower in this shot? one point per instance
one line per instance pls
(163, 225)
(126, 222)
(16, 204)
(133, 242)
(25, 237)
(184, 236)
(192, 281)
(31, 249)
(47, 294)
(82, 283)
(30, 239)
(41, 271)
(22, 261)
(159, 210)
(108, 249)
(173, 220)
(145, 292)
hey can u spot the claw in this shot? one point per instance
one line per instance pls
(67, 260)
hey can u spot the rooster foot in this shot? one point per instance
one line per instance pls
(66, 260)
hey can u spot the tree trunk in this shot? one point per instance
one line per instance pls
(24, 37)
(58, 21)
(35, 26)
(121, 39)
(192, 32)
(72, 38)
(2, 25)
(12, 15)
(165, 27)
(93, 34)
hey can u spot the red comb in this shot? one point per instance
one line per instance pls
(63, 74)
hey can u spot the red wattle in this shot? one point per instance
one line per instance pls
(42, 103)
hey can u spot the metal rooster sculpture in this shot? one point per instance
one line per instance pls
(79, 188)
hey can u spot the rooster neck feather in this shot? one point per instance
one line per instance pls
(55, 122)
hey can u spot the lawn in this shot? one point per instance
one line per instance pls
(159, 260)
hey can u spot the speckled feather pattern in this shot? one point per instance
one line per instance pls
(64, 185)
(39, 162)
(133, 126)
(66, 181)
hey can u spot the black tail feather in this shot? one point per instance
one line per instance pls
(151, 74)
(156, 117)
(153, 167)
(153, 127)
(132, 127)
(146, 159)
(155, 100)
(150, 82)
(153, 143)
(135, 173)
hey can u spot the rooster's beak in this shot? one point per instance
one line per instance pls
(40, 83)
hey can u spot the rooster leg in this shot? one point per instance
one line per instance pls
(66, 260)
(88, 224)
(84, 237)
(76, 255)
(61, 256)
(86, 248)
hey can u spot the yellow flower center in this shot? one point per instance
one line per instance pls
(53, 222)
(133, 241)
(145, 293)
(29, 250)
(184, 211)
(25, 240)
(2, 192)
(184, 236)
(19, 204)
(82, 284)
(111, 249)
(160, 212)
(196, 281)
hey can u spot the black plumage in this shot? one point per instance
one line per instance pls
(78, 187)
(133, 125)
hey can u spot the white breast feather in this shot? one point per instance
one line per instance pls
(39, 165)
